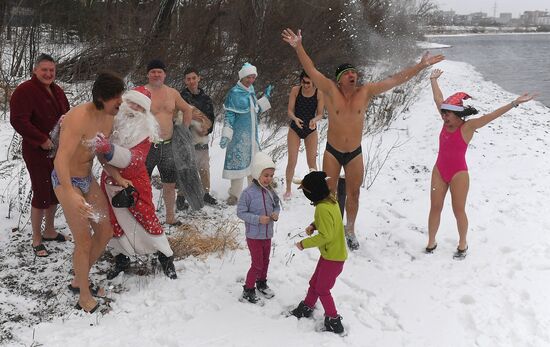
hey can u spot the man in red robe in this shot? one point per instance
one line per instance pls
(136, 229)
(35, 107)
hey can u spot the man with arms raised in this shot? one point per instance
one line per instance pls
(84, 204)
(347, 103)
(165, 102)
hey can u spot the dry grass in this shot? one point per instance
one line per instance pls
(189, 241)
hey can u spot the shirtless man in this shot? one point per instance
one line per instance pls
(347, 103)
(83, 202)
(165, 102)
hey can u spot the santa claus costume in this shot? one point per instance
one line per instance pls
(136, 229)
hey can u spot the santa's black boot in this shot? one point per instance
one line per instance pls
(334, 324)
(302, 311)
(122, 263)
(264, 289)
(167, 265)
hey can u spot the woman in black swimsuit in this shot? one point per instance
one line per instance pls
(305, 108)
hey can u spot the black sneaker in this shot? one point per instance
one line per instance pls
(122, 263)
(209, 199)
(181, 204)
(249, 294)
(334, 324)
(302, 311)
(264, 289)
(167, 265)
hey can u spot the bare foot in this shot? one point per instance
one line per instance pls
(287, 196)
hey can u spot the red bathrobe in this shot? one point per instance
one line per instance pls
(144, 210)
(33, 114)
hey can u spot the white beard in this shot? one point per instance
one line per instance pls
(131, 127)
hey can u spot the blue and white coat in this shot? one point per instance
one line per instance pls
(242, 111)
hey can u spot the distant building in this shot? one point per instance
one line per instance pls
(532, 17)
(545, 20)
(504, 18)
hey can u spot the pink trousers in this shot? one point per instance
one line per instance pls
(259, 253)
(321, 283)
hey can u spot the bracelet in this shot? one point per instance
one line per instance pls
(514, 103)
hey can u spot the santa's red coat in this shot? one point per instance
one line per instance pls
(144, 210)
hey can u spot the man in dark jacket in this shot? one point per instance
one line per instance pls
(35, 107)
(201, 126)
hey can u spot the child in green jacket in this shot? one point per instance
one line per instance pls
(331, 242)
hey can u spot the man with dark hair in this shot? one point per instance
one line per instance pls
(201, 126)
(82, 135)
(347, 102)
(35, 107)
(165, 101)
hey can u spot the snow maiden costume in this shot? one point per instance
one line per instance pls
(240, 132)
(136, 230)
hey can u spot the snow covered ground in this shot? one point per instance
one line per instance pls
(390, 293)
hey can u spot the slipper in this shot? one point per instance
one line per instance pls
(93, 289)
(40, 248)
(59, 238)
(78, 307)
(460, 254)
(431, 249)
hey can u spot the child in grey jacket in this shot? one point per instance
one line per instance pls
(259, 208)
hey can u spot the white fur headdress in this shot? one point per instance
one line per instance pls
(246, 70)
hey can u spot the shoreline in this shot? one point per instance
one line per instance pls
(485, 34)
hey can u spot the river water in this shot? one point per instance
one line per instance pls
(517, 62)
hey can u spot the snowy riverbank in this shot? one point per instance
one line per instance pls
(390, 293)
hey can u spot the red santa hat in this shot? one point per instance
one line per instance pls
(140, 96)
(454, 102)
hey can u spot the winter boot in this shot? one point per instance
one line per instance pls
(167, 265)
(209, 199)
(263, 288)
(122, 263)
(181, 204)
(249, 294)
(334, 324)
(302, 311)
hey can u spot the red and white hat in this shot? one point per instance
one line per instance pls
(454, 102)
(139, 95)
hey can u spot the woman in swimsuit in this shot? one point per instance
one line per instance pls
(305, 109)
(450, 170)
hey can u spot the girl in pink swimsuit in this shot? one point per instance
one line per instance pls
(450, 170)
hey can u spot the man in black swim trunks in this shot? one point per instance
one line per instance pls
(346, 103)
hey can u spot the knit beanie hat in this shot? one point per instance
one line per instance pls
(156, 64)
(139, 95)
(454, 102)
(261, 162)
(343, 68)
(246, 70)
(315, 186)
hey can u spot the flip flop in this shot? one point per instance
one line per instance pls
(59, 238)
(40, 248)
(93, 289)
(460, 254)
(78, 307)
(175, 224)
(431, 249)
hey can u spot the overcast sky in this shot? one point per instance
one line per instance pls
(515, 6)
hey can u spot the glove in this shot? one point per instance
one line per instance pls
(102, 144)
(268, 91)
(224, 141)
